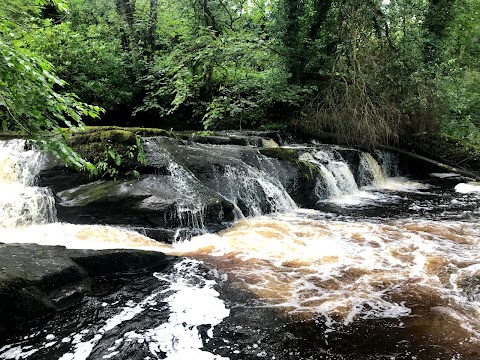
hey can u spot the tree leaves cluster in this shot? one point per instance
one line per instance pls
(363, 72)
(31, 99)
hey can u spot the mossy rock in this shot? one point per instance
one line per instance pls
(92, 146)
(96, 138)
(308, 170)
(280, 153)
(96, 141)
(144, 132)
(120, 137)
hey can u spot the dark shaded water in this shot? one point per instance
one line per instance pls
(387, 275)
(383, 268)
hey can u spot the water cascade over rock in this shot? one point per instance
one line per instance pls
(22, 202)
(325, 253)
(189, 187)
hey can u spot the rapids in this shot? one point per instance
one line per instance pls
(386, 267)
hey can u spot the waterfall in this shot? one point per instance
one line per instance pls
(253, 191)
(388, 162)
(237, 174)
(22, 203)
(371, 173)
(190, 208)
(336, 179)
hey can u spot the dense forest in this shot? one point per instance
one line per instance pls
(360, 72)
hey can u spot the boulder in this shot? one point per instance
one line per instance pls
(36, 280)
(151, 201)
(187, 185)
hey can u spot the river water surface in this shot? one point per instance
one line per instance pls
(388, 271)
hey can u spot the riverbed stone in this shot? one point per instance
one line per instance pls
(37, 281)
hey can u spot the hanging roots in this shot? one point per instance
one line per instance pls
(346, 112)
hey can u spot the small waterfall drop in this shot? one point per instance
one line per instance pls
(22, 203)
(190, 210)
(336, 180)
(239, 175)
(253, 191)
(388, 162)
(371, 173)
(340, 170)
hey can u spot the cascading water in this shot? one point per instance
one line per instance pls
(396, 279)
(370, 171)
(190, 210)
(388, 162)
(253, 191)
(337, 178)
(22, 203)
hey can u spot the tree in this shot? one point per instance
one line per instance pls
(459, 72)
(89, 59)
(30, 102)
(219, 66)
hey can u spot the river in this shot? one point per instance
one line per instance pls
(385, 271)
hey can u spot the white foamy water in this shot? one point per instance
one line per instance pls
(22, 203)
(177, 338)
(346, 272)
(444, 175)
(192, 304)
(96, 237)
(466, 188)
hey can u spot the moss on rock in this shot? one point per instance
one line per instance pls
(280, 153)
(95, 140)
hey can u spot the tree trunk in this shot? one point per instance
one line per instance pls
(152, 31)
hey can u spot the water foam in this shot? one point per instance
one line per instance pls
(179, 337)
(466, 188)
(344, 271)
(22, 203)
(192, 303)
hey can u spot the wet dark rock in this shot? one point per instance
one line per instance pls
(241, 138)
(352, 157)
(150, 201)
(58, 177)
(36, 280)
(185, 184)
(214, 140)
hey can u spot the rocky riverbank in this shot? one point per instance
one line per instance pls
(37, 281)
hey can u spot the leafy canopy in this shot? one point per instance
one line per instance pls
(31, 101)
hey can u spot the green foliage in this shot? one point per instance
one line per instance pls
(111, 164)
(116, 152)
(365, 72)
(89, 59)
(221, 68)
(460, 73)
(29, 100)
